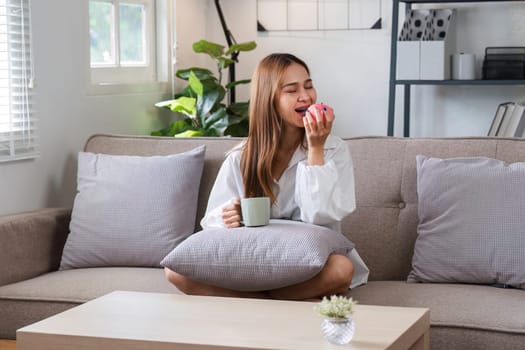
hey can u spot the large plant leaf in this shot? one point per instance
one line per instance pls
(247, 46)
(219, 113)
(213, 49)
(224, 62)
(216, 123)
(207, 103)
(186, 92)
(209, 96)
(238, 82)
(185, 105)
(176, 127)
(238, 119)
(237, 130)
(201, 73)
(166, 104)
(179, 126)
(190, 133)
(209, 84)
(238, 112)
(196, 84)
(161, 132)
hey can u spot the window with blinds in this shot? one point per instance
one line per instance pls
(17, 120)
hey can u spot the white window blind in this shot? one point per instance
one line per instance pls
(17, 122)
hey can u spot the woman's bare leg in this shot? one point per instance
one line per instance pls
(189, 286)
(334, 278)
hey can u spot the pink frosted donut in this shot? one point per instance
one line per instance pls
(321, 108)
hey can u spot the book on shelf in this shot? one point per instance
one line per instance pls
(509, 107)
(498, 118)
(516, 121)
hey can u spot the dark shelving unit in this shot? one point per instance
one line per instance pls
(408, 83)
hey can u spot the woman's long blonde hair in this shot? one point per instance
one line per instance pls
(265, 125)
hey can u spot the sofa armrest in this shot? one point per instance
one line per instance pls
(31, 243)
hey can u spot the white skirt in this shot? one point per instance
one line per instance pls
(361, 271)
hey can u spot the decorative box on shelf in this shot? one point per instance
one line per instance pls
(409, 45)
(426, 44)
(438, 45)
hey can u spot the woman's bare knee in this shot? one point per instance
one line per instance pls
(178, 280)
(341, 271)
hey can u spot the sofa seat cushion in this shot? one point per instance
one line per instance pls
(81, 285)
(464, 306)
(32, 300)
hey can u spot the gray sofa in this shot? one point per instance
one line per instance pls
(383, 227)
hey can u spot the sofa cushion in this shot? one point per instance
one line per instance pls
(32, 300)
(471, 221)
(132, 210)
(461, 314)
(257, 258)
(81, 285)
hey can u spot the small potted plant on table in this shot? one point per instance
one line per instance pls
(338, 324)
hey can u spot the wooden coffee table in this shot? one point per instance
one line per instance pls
(132, 320)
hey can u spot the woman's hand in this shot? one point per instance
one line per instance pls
(318, 122)
(231, 213)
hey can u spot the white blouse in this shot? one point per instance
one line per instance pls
(321, 194)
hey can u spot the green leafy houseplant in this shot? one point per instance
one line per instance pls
(201, 102)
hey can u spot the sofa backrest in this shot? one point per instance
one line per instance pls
(384, 224)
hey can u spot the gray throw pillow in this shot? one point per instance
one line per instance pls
(257, 258)
(132, 210)
(471, 222)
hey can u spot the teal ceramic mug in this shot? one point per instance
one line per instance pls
(255, 211)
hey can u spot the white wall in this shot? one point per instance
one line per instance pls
(67, 113)
(468, 110)
(350, 69)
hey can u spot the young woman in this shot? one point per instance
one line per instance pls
(291, 157)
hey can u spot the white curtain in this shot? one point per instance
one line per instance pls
(18, 138)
